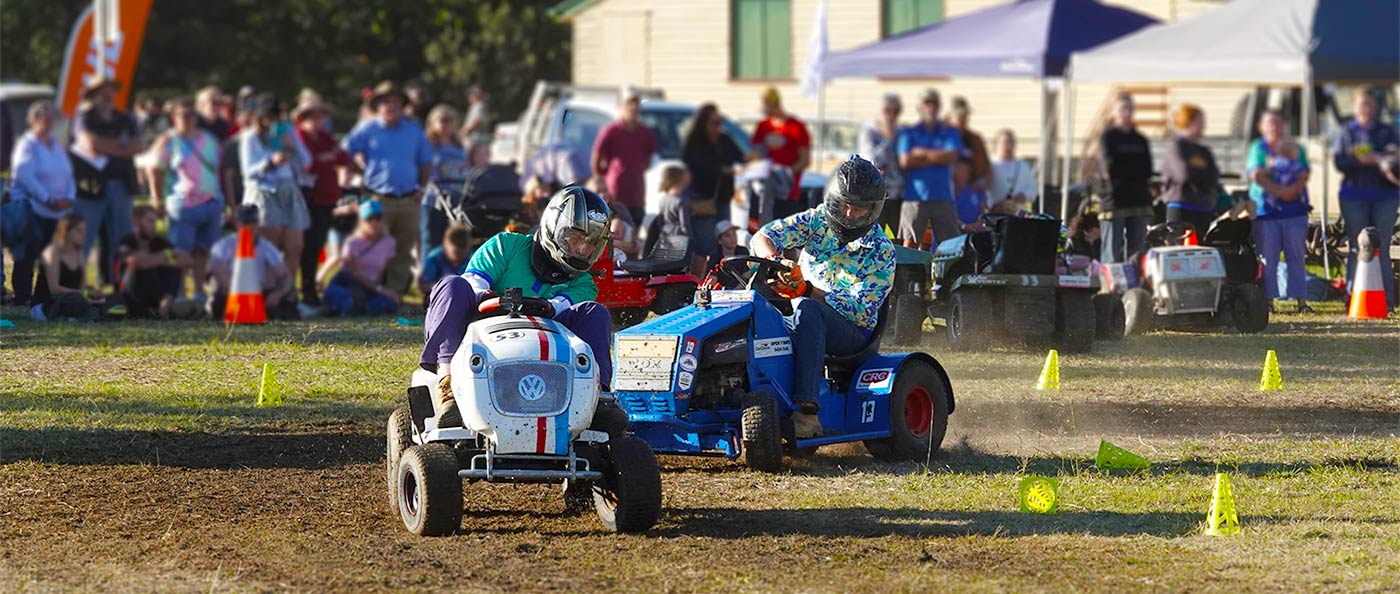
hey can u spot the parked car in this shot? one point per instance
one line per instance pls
(504, 141)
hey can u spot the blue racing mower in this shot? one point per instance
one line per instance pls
(715, 379)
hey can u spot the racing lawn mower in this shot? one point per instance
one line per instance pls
(1000, 285)
(715, 379)
(659, 283)
(527, 390)
(1185, 285)
(484, 202)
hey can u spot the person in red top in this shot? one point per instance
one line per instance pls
(784, 140)
(327, 158)
(622, 154)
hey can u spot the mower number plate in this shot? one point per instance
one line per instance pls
(645, 364)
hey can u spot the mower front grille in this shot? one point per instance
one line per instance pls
(1193, 296)
(533, 389)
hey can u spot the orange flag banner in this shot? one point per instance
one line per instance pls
(83, 61)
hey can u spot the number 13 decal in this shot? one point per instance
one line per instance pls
(867, 411)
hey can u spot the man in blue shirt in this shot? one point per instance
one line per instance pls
(396, 159)
(927, 151)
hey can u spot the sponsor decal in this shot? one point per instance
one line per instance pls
(507, 335)
(875, 378)
(684, 380)
(1074, 280)
(731, 345)
(867, 412)
(531, 387)
(688, 362)
(978, 279)
(772, 347)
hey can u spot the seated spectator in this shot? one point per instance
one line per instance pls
(274, 279)
(68, 295)
(1084, 236)
(357, 287)
(151, 268)
(1012, 179)
(727, 236)
(971, 202)
(448, 259)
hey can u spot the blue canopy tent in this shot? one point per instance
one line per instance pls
(1025, 39)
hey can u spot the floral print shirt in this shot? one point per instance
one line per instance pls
(855, 276)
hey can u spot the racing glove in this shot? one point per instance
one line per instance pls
(789, 285)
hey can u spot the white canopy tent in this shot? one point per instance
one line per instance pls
(1251, 43)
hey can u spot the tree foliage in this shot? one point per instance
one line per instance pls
(334, 46)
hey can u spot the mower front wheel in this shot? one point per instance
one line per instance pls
(1109, 316)
(908, 322)
(1137, 309)
(430, 492)
(970, 320)
(628, 499)
(1249, 308)
(1075, 321)
(760, 433)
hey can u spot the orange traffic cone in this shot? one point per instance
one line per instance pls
(245, 298)
(1367, 292)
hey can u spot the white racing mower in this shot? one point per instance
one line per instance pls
(527, 390)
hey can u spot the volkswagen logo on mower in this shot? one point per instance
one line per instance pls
(531, 387)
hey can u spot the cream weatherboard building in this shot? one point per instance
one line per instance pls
(727, 51)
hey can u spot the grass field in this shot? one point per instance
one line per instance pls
(132, 458)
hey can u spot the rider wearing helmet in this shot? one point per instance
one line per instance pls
(552, 264)
(839, 282)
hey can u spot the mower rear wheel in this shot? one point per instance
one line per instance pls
(1137, 310)
(1249, 308)
(1109, 316)
(628, 499)
(430, 492)
(908, 322)
(1075, 321)
(672, 297)
(760, 433)
(918, 415)
(398, 436)
(970, 320)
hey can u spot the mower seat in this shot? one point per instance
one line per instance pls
(841, 364)
(670, 255)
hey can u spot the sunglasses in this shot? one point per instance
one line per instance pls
(374, 218)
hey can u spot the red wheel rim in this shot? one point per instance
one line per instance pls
(918, 411)
(409, 493)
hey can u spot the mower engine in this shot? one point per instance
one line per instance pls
(1185, 279)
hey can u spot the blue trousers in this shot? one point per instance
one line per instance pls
(1289, 235)
(452, 306)
(110, 214)
(348, 297)
(1123, 237)
(432, 224)
(818, 330)
(1358, 215)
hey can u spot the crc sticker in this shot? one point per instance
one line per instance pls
(690, 346)
(688, 362)
(1074, 280)
(772, 347)
(731, 345)
(684, 380)
(875, 378)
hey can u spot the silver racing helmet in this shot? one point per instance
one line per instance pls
(572, 235)
(857, 183)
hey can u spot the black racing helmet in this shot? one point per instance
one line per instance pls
(572, 235)
(858, 183)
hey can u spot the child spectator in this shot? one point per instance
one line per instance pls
(1084, 236)
(151, 268)
(274, 279)
(448, 259)
(357, 288)
(675, 205)
(970, 201)
(727, 235)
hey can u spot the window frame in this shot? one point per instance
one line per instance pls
(733, 71)
(885, 16)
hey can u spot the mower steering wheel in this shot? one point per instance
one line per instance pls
(528, 306)
(766, 269)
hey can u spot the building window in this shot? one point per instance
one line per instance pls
(898, 16)
(760, 39)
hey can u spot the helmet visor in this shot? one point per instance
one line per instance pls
(853, 214)
(578, 244)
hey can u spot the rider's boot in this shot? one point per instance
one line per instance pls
(445, 405)
(804, 420)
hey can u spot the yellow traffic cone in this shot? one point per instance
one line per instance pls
(269, 390)
(1039, 495)
(1222, 519)
(1270, 380)
(1112, 457)
(1050, 374)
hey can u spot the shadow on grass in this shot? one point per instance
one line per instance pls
(143, 333)
(1068, 418)
(234, 450)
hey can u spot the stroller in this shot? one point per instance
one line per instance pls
(762, 185)
(483, 202)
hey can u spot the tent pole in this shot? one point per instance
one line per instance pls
(1047, 144)
(1306, 125)
(1067, 140)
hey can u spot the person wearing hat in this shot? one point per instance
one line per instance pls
(184, 177)
(273, 158)
(784, 140)
(727, 244)
(323, 177)
(274, 279)
(394, 153)
(621, 155)
(356, 288)
(105, 140)
(877, 143)
(927, 151)
(210, 102)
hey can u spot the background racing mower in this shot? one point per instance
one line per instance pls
(527, 390)
(1000, 285)
(715, 379)
(659, 283)
(1185, 285)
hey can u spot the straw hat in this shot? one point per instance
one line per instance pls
(97, 83)
(311, 106)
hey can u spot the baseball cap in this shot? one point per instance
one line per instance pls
(722, 227)
(248, 213)
(891, 100)
(931, 95)
(960, 106)
(371, 208)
